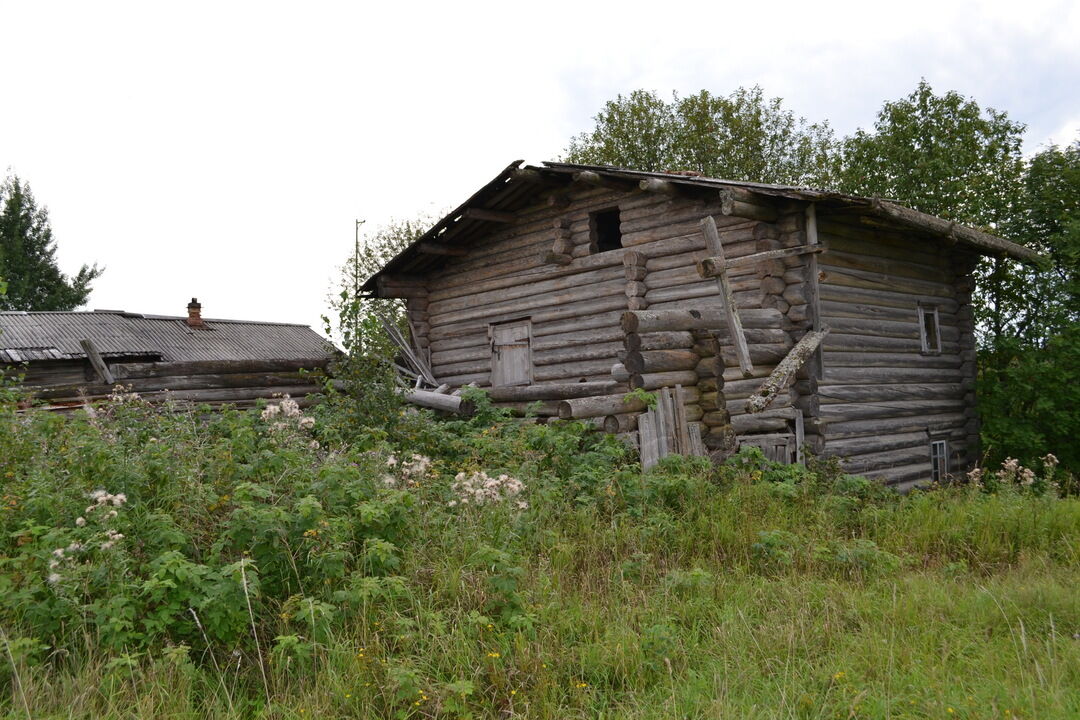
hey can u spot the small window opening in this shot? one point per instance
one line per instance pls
(605, 231)
(939, 460)
(929, 329)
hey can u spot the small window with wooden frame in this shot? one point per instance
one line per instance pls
(511, 358)
(939, 460)
(605, 231)
(929, 330)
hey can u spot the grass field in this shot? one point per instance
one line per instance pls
(290, 565)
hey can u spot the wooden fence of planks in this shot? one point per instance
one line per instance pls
(664, 430)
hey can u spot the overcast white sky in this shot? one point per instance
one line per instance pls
(223, 149)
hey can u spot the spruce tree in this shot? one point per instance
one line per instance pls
(27, 256)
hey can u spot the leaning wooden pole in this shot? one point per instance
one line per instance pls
(738, 339)
(784, 374)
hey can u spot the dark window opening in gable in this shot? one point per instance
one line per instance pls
(605, 231)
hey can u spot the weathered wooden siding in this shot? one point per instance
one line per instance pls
(236, 382)
(880, 397)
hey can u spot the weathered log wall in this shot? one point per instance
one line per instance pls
(868, 391)
(241, 383)
(881, 399)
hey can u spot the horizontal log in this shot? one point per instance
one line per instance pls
(885, 375)
(740, 208)
(885, 298)
(832, 394)
(646, 321)
(658, 340)
(888, 409)
(875, 443)
(621, 423)
(599, 406)
(934, 422)
(894, 360)
(438, 401)
(184, 382)
(653, 381)
(214, 367)
(652, 361)
(434, 248)
(552, 391)
(712, 266)
(497, 216)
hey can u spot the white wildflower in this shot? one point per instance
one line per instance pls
(80, 521)
(1027, 477)
(107, 545)
(391, 461)
(314, 445)
(289, 407)
(53, 578)
(74, 547)
(118, 499)
(58, 552)
(307, 422)
(98, 496)
(111, 514)
(1050, 460)
(270, 411)
(389, 481)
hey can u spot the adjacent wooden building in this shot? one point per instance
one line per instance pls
(70, 358)
(571, 284)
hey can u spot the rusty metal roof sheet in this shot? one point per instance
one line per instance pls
(30, 336)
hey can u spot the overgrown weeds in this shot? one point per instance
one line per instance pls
(159, 561)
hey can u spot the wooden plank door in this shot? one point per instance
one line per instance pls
(511, 359)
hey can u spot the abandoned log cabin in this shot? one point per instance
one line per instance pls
(70, 358)
(787, 315)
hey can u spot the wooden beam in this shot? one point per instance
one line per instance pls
(475, 213)
(97, 362)
(437, 401)
(590, 177)
(813, 295)
(431, 248)
(784, 374)
(710, 266)
(656, 185)
(731, 203)
(738, 339)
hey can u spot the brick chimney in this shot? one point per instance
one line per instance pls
(194, 314)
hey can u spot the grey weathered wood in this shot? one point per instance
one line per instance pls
(731, 313)
(497, 216)
(734, 202)
(657, 185)
(711, 266)
(551, 391)
(647, 321)
(433, 248)
(784, 374)
(438, 401)
(653, 361)
(96, 361)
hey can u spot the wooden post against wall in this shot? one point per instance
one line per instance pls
(738, 338)
(96, 361)
(812, 295)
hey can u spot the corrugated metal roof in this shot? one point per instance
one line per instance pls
(27, 336)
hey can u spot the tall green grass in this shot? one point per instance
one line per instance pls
(748, 590)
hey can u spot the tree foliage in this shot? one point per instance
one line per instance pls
(27, 256)
(742, 136)
(941, 154)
